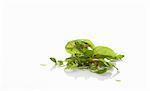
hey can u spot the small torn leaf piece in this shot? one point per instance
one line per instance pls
(54, 60)
(60, 63)
(85, 55)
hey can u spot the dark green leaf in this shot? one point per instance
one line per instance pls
(53, 59)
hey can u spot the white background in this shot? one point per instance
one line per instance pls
(34, 31)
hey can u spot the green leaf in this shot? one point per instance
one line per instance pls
(119, 57)
(103, 51)
(88, 53)
(60, 63)
(54, 60)
(106, 52)
(89, 43)
(78, 46)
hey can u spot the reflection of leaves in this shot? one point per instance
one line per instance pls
(84, 55)
(101, 71)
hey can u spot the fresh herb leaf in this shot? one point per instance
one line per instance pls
(60, 63)
(78, 46)
(105, 52)
(53, 59)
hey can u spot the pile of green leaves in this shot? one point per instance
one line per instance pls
(85, 55)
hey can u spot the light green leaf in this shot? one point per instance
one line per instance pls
(78, 46)
(104, 51)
